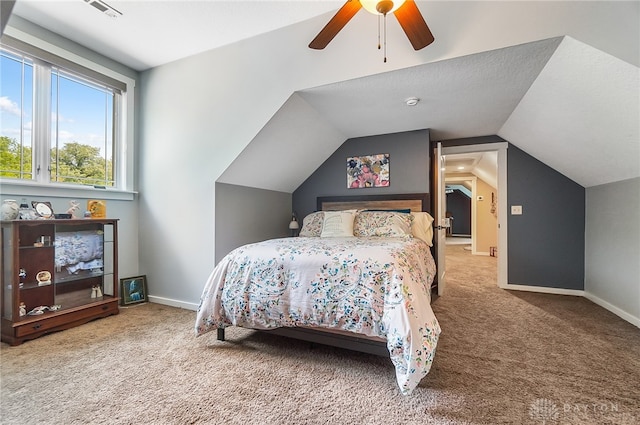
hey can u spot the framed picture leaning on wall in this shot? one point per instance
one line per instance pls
(133, 290)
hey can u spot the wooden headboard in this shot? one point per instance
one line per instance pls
(413, 201)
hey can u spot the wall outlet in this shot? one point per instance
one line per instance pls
(516, 209)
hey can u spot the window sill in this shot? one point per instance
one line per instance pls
(29, 189)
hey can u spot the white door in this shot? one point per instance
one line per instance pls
(441, 222)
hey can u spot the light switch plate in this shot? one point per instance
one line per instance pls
(516, 209)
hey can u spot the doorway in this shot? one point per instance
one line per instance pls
(480, 173)
(460, 208)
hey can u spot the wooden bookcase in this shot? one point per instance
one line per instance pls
(81, 259)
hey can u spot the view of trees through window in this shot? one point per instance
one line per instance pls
(81, 145)
(73, 163)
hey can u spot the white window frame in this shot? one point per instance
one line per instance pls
(123, 154)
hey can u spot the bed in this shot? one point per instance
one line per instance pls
(359, 276)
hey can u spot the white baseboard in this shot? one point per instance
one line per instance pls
(173, 303)
(544, 290)
(612, 308)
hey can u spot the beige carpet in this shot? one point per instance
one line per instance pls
(503, 357)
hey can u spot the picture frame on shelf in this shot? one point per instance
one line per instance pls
(133, 290)
(42, 209)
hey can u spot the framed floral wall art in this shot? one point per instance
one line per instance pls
(368, 171)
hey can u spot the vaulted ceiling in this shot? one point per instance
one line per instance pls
(560, 80)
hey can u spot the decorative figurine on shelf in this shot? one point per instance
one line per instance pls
(43, 278)
(23, 310)
(96, 292)
(10, 209)
(41, 309)
(74, 206)
(38, 310)
(97, 208)
(22, 275)
(25, 212)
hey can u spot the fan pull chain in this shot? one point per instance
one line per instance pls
(378, 32)
(384, 35)
(385, 38)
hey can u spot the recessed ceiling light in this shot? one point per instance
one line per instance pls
(412, 101)
(461, 167)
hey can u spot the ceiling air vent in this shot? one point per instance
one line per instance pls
(104, 8)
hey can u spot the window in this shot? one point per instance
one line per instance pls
(82, 118)
(16, 112)
(59, 121)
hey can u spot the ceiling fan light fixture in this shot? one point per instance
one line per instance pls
(381, 7)
(405, 11)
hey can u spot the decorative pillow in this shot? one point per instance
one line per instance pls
(382, 223)
(338, 224)
(312, 224)
(422, 227)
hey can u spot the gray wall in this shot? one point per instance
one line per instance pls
(459, 205)
(613, 245)
(546, 243)
(245, 215)
(408, 169)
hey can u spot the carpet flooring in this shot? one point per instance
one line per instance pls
(504, 357)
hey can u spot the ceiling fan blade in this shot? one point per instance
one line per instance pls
(333, 27)
(414, 25)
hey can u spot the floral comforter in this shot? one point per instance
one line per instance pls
(373, 286)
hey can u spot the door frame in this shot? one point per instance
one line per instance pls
(437, 188)
(501, 148)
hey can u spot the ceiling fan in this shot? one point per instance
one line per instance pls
(406, 12)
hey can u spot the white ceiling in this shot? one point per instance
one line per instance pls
(480, 164)
(154, 32)
(484, 98)
(560, 80)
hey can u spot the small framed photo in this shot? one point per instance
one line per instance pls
(43, 208)
(133, 290)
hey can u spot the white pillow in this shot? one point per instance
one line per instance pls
(338, 224)
(422, 227)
